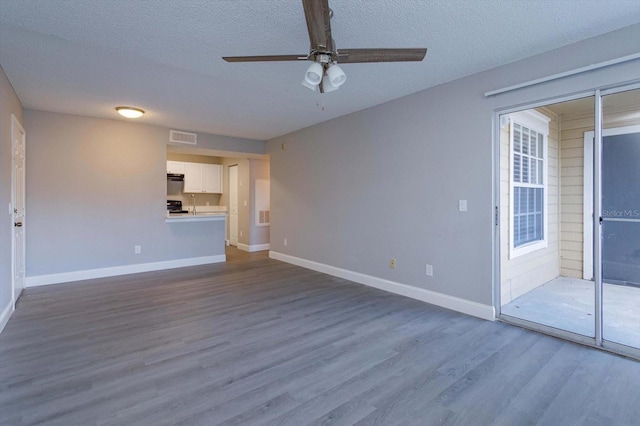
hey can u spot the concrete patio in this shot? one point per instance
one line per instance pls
(568, 304)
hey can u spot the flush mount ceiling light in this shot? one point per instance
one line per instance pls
(130, 112)
(324, 75)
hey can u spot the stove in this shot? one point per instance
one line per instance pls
(175, 207)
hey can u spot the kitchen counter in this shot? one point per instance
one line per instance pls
(198, 217)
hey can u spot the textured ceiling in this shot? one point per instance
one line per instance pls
(88, 56)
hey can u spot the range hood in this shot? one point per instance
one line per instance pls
(178, 177)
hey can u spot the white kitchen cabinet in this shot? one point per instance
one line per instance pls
(175, 167)
(200, 178)
(193, 177)
(212, 178)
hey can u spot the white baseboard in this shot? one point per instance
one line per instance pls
(121, 270)
(255, 247)
(464, 306)
(5, 315)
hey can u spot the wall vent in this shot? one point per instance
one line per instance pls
(263, 217)
(183, 137)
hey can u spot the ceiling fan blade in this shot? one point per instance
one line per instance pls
(351, 56)
(265, 58)
(318, 23)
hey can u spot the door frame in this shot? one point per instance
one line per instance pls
(16, 126)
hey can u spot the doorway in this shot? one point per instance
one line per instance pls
(18, 193)
(233, 205)
(561, 165)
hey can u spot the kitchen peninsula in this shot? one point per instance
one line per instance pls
(203, 233)
(197, 217)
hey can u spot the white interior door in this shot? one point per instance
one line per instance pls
(233, 205)
(18, 138)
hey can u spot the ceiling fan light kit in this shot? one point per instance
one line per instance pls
(324, 73)
(327, 86)
(329, 79)
(312, 87)
(336, 75)
(314, 74)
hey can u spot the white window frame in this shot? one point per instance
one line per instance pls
(538, 122)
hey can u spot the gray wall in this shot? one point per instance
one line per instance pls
(385, 182)
(96, 188)
(258, 234)
(225, 143)
(9, 104)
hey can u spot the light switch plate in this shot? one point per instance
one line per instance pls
(462, 205)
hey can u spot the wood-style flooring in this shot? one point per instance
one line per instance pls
(259, 342)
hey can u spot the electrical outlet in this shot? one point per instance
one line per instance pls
(137, 249)
(285, 242)
(462, 205)
(392, 263)
(284, 146)
(246, 203)
(429, 270)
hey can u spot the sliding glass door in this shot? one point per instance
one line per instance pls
(569, 219)
(620, 223)
(544, 279)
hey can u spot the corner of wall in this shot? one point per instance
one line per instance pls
(5, 315)
(9, 105)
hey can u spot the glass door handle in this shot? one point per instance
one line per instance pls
(619, 219)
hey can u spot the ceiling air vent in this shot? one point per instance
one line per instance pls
(183, 137)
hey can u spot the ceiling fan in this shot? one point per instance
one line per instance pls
(324, 74)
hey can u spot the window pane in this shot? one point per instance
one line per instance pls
(529, 216)
(516, 168)
(540, 172)
(531, 200)
(531, 228)
(525, 170)
(534, 171)
(525, 140)
(534, 144)
(539, 197)
(540, 145)
(517, 130)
